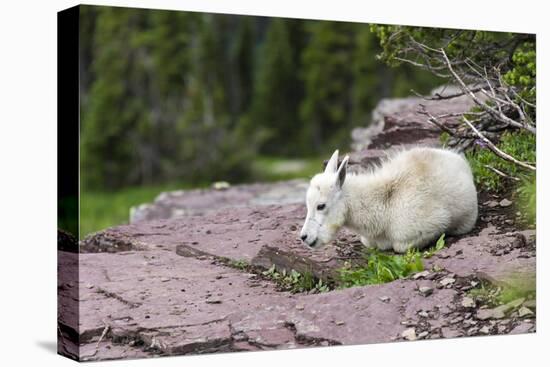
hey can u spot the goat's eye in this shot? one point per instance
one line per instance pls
(321, 206)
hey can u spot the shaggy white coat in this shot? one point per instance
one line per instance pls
(409, 201)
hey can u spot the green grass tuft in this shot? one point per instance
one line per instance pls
(238, 264)
(296, 282)
(511, 288)
(381, 267)
(520, 145)
(384, 267)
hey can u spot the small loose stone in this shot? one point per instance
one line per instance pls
(447, 281)
(425, 291)
(505, 203)
(421, 274)
(524, 311)
(423, 314)
(484, 330)
(468, 302)
(423, 334)
(485, 314)
(409, 334)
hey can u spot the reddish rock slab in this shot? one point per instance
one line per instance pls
(161, 303)
(107, 350)
(396, 121)
(359, 316)
(202, 201)
(166, 303)
(262, 236)
(67, 289)
(498, 258)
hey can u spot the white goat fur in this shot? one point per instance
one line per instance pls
(408, 201)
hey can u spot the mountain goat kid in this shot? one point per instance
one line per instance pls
(407, 202)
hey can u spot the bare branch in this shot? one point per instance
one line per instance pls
(439, 96)
(500, 173)
(422, 66)
(496, 114)
(524, 117)
(521, 99)
(496, 150)
(434, 120)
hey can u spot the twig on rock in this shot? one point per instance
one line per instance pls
(440, 97)
(103, 334)
(434, 120)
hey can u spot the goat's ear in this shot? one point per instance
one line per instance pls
(332, 164)
(342, 170)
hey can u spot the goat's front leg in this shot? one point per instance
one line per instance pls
(367, 243)
(401, 247)
(419, 243)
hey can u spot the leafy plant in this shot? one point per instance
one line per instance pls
(523, 74)
(514, 287)
(381, 268)
(521, 145)
(296, 282)
(438, 246)
(239, 264)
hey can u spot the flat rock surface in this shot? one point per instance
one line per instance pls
(156, 302)
(201, 201)
(490, 255)
(263, 236)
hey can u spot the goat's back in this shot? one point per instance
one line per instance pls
(431, 185)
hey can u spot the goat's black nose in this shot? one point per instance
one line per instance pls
(303, 237)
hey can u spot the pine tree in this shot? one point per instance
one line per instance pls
(108, 150)
(278, 88)
(328, 77)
